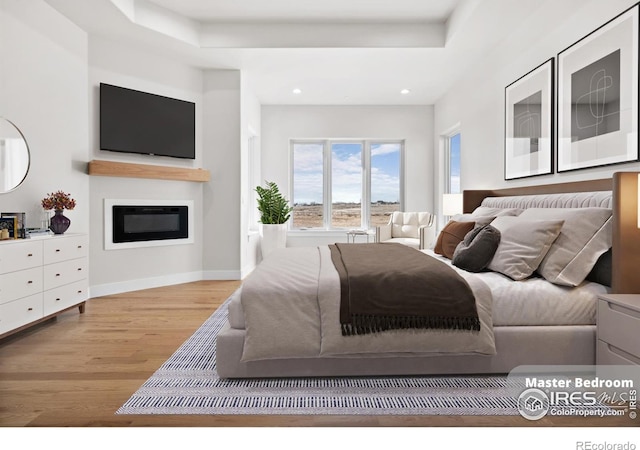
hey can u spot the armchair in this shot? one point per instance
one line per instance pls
(408, 228)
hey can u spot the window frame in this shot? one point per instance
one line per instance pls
(327, 200)
(447, 160)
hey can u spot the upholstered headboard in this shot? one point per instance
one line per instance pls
(622, 191)
(597, 199)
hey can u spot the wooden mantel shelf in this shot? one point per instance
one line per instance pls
(129, 170)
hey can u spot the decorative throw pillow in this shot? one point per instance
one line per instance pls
(476, 250)
(602, 271)
(451, 235)
(523, 244)
(585, 235)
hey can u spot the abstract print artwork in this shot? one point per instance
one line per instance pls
(595, 98)
(598, 96)
(529, 124)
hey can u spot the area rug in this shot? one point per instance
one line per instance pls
(187, 383)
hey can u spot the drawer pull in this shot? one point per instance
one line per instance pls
(621, 353)
(622, 310)
(80, 291)
(57, 250)
(29, 309)
(57, 274)
(79, 269)
(79, 246)
(30, 282)
(30, 254)
(57, 299)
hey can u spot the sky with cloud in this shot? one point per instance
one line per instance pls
(454, 164)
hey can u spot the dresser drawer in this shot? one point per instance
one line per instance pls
(619, 326)
(64, 273)
(20, 312)
(609, 355)
(20, 255)
(62, 248)
(64, 297)
(20, 284)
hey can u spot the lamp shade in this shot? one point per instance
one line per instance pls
(451, 204)
(638, 208)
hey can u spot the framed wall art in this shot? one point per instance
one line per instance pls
(19, 231)
(529, 106)
(8, 227)
(598, 96)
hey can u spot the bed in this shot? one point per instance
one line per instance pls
(269, 333)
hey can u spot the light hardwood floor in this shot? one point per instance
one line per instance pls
(79, 369)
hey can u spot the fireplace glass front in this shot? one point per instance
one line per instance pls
(149, 223)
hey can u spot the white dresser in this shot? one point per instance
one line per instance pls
(40, 278)
(618, 329)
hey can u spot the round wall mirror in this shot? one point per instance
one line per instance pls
(14, 156)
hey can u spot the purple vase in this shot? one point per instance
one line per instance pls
(59, 223)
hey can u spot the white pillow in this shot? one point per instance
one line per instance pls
(523, 244)
(483, 215)
(496, 212)
(585, 235)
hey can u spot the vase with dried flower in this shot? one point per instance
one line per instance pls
(58, 201)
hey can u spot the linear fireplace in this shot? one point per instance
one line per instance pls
(144, 223)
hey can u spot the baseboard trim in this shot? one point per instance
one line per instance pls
(221, 275)
(144, 283)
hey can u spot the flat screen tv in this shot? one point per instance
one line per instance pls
(139, 122)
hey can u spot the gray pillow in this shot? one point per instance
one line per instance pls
(476, 250)
(523, 244)
(601, 272)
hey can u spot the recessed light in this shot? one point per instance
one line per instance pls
(405, 91)
(297, 91)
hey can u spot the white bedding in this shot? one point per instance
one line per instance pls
(535, 301)
(291, 310)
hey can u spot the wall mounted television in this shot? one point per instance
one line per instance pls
(139, 122)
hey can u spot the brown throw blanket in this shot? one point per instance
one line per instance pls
(392, 286)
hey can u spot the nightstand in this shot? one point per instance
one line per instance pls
(618, 329)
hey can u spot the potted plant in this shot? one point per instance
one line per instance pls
(274, 212)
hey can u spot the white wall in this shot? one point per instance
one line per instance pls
(477, 100)
(222, 156)
(250, 126)
(136, 268)
(43, 72)
(414, 124)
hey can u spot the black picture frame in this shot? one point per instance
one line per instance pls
(598, 96)
(528, 128)
(21, 222)
(10, 224)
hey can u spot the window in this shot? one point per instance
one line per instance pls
(308, 182)
(346, 185)
(339, 184)
(453, 164)
(386, 185)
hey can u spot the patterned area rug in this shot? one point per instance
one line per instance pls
(187, 383)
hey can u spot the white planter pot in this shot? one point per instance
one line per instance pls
(272, 236)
